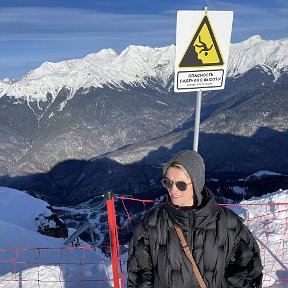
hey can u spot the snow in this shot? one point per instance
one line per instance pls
(255, 176)
(256, 51)
(19, 238)
(96, 69)
(239, 190)
(262, 173)
(133, 65)
(35, 256)
(267, 218)
(14, 203)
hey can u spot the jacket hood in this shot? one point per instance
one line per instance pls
(193, 163)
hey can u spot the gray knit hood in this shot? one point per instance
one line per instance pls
(194, 165)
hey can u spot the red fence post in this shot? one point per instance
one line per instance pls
(113, 236)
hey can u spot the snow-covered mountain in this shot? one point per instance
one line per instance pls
(255, 51)
(62, 123)
(134, 65)
(36, 257)
(72, 130)
(260, 174)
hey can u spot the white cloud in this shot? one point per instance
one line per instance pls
(54, 23)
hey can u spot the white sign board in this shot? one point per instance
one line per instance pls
(202, 49)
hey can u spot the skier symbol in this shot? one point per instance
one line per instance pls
(204, 47)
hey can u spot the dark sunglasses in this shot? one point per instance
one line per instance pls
(181, 185)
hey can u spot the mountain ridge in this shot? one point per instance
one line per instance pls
(243, 127)
(133, 65)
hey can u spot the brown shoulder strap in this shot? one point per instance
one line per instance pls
(190, 257)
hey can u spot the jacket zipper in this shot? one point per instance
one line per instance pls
(191, 231)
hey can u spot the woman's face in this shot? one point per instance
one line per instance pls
(180, 198)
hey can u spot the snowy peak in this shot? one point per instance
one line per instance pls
(256, 51)
(251, 41)
(139, 62)
(69, 67)
(134, 65)
(8, 81)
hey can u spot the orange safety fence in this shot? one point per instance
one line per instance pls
(87, 266)
(83, 266)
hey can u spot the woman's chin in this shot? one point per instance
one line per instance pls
(176, 201)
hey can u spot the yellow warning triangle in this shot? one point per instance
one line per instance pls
(203, 50)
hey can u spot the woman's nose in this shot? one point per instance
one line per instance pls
(174, 187)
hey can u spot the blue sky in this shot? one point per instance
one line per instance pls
(35, 31)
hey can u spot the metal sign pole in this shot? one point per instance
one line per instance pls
(198, 112)
(197, 120)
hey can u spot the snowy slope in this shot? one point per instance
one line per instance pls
(18, 233)
(105, 67)
(265, 216)
(255, 51)
(134, 65)
(18, 208)
(261, 173)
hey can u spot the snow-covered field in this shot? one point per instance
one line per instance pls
(29, 259)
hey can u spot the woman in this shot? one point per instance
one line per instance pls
(225, 252)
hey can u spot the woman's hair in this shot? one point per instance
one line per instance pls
(168, 165)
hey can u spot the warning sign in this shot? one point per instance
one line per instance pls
(200, 79)
(202, 48)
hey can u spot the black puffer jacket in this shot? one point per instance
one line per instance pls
(225, 251)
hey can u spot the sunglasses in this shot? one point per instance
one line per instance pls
(181, 185)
